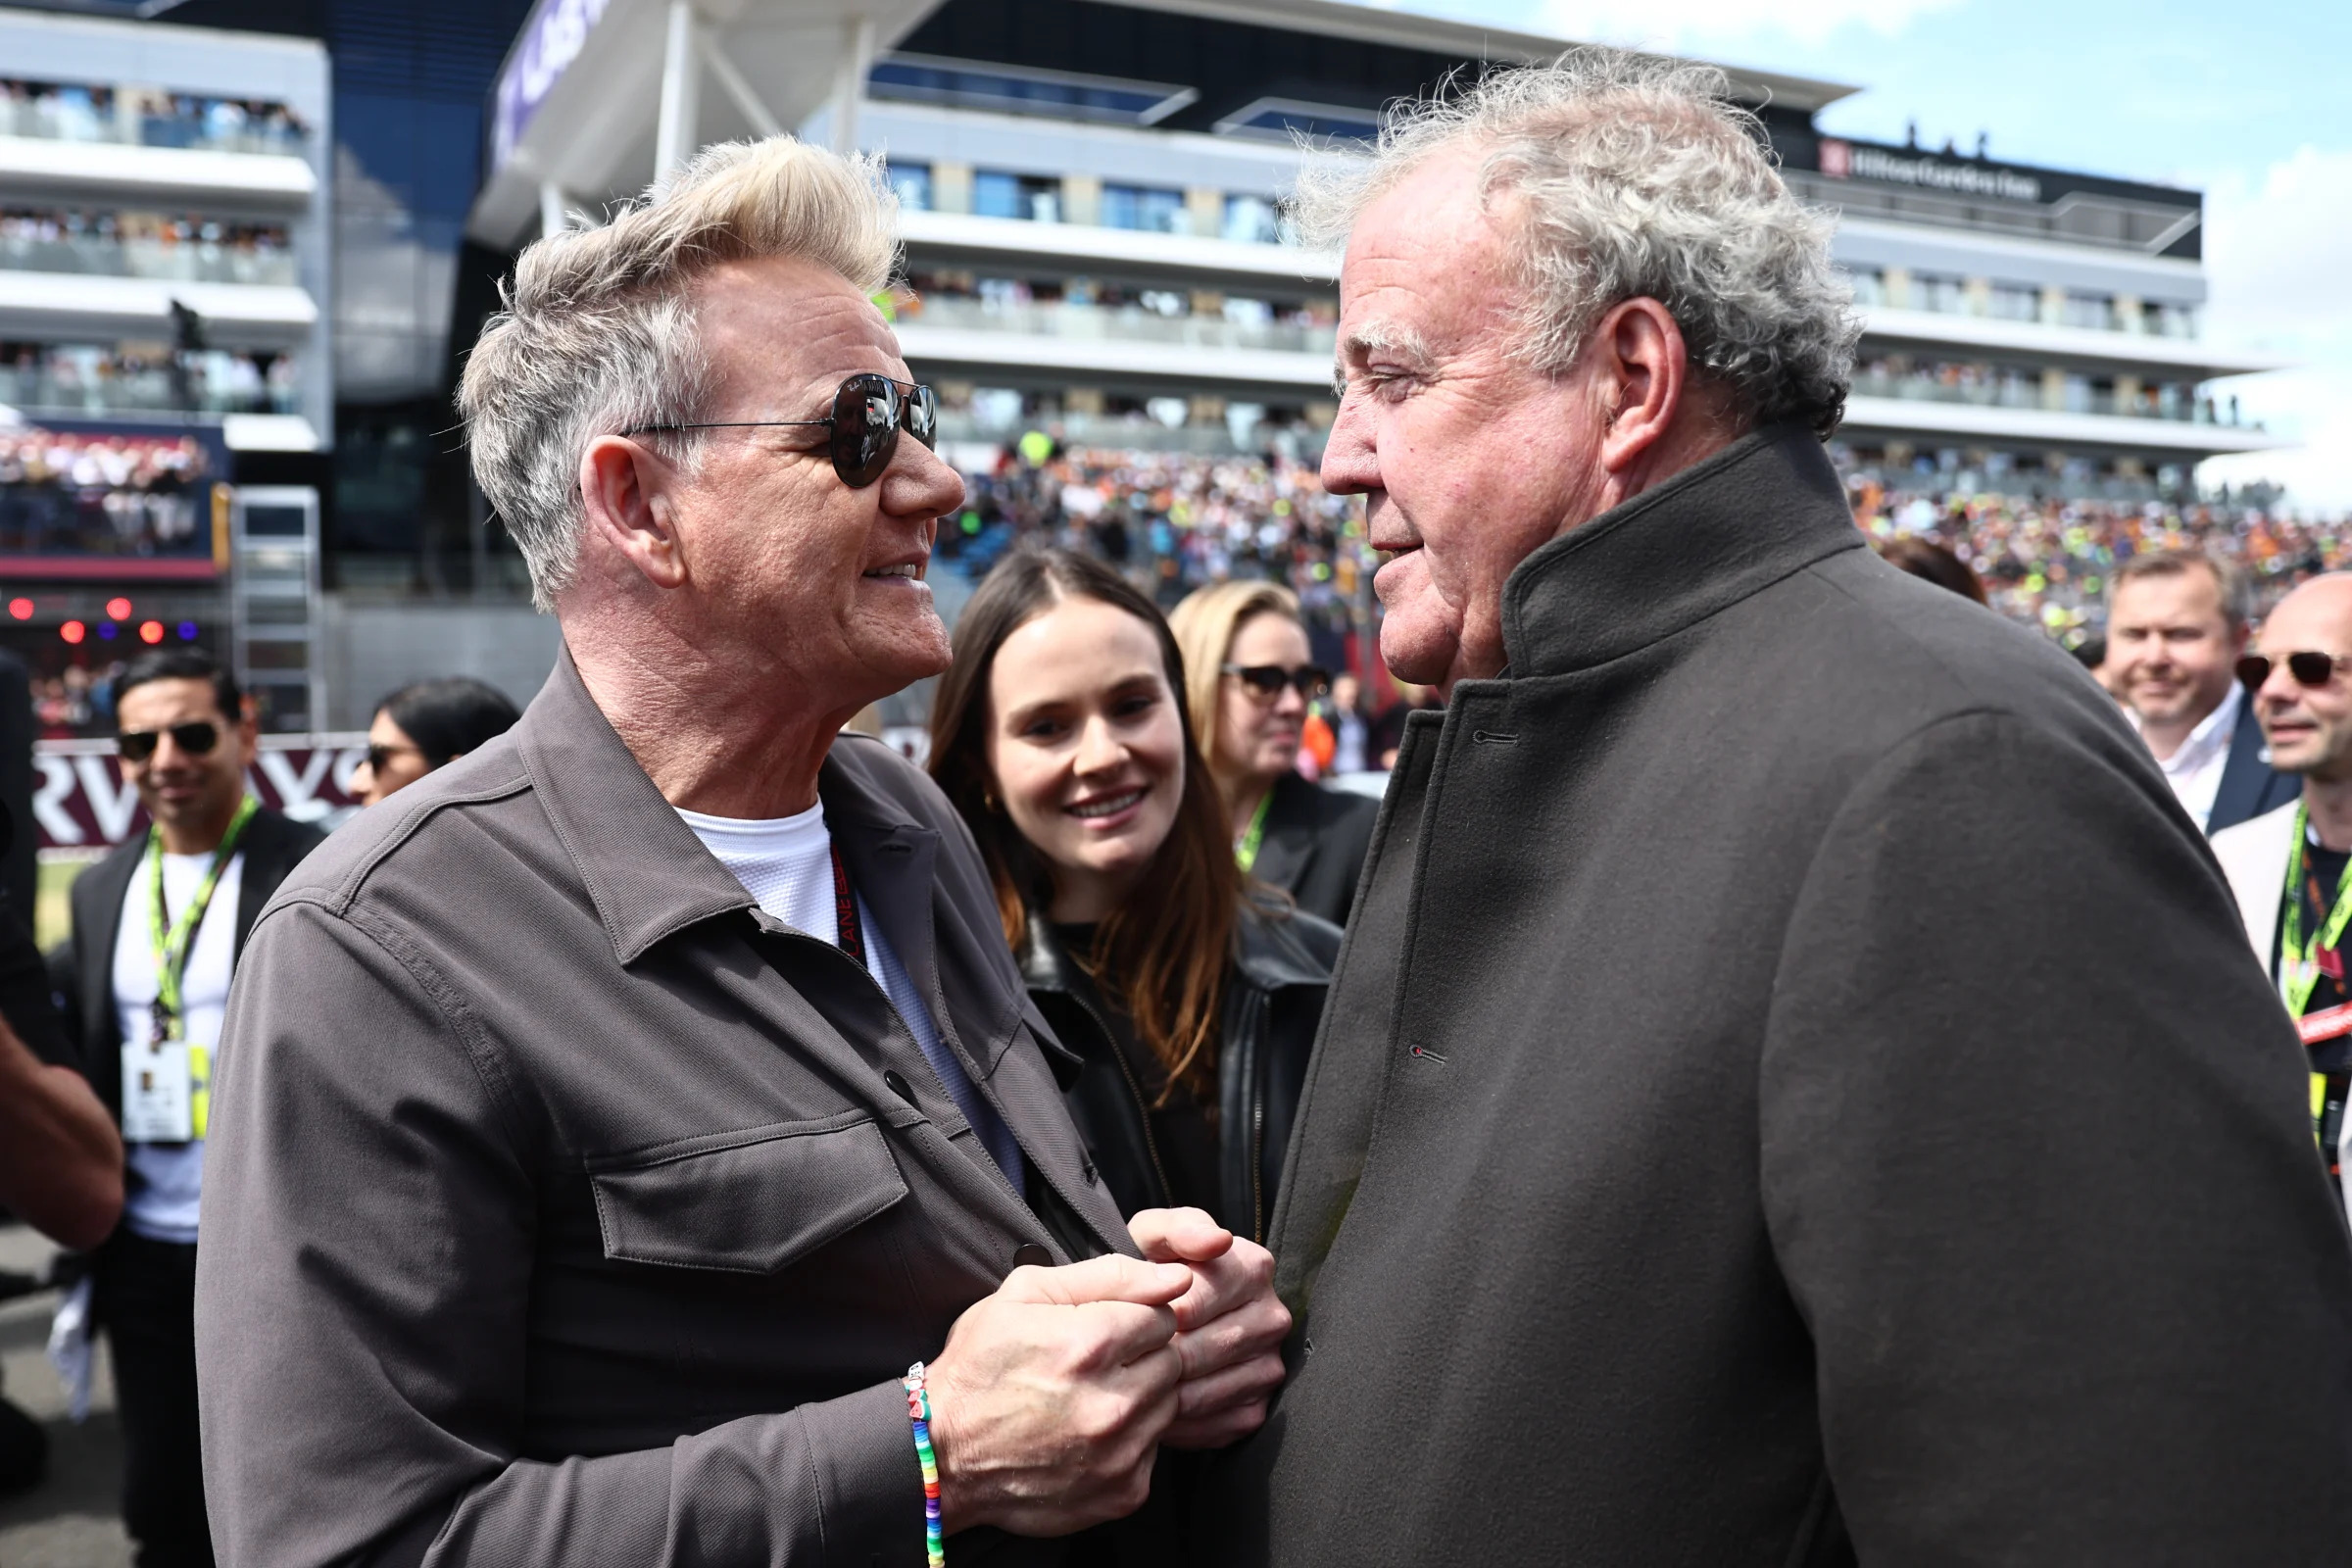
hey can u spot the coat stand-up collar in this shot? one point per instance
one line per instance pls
(1708, 537)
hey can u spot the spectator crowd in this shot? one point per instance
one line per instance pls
(2050, 562)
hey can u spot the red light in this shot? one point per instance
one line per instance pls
(73, 631)
(22, 609)
(118, 610)
(151, 631)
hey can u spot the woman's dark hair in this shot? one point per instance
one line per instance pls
(1935, 564)
(450, 716)
(1169, 958)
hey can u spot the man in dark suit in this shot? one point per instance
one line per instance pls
(158, 927)
(1313, 844)
(2177, 623)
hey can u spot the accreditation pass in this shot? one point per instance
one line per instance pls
(166, 1088)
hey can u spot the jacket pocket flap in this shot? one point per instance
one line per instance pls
(749, 1202)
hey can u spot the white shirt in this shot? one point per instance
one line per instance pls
(2195, 769)
(785, 864)
(166, 1178)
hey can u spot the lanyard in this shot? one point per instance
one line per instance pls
(850, 929)
(1244, 849)
(172, 943)
(2301, 958)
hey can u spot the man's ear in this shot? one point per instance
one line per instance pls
(1644, 361)
(626, 492)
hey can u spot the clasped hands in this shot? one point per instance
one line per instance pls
(1054, 1394)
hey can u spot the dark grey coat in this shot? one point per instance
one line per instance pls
(1794, 1092)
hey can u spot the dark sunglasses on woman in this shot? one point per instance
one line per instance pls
(2308, 667)
(197, 739)
(1268, 681)
(869, 412)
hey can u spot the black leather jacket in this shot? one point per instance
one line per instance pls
(1273, 1003)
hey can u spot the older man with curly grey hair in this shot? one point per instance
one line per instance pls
(633, 1143)
(1793, 1092)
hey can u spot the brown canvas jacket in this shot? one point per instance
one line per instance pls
(562, 1206)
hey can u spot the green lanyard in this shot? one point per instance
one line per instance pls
(1244, 851)
(2301, 958)
(171, 945)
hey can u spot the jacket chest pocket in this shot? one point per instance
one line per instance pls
(750, 1201)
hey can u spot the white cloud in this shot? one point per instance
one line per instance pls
(2279, 258)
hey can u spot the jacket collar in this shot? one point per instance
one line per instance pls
(646, 874)
(1269, 958)
(1721, 531)
(1045, 967)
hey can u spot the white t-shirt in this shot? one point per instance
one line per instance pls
(166, 1178)
(2195, 770)
(785, 864)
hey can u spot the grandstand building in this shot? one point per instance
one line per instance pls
(165, 362)
(1092, 194)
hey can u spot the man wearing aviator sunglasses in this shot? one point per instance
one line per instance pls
(698, 1077)
(157, 929)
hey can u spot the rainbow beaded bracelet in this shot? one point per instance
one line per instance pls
(918, 1411)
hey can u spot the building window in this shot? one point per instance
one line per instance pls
(1253, 221)
(2170, 321)
(1870, 285)
(1018, 196)
(912, 183)
(1154, 212)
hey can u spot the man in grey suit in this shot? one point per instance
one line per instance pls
(622, 1135)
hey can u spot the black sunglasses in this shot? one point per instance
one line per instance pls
(2309, 668)
(1268, 681)
(380, 757)
(869, 412)
(197, 739)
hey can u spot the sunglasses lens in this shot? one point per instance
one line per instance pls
(2252, 671)
(865, 429)
(2312, 669)
(1313, 682)
(135, 746)
(923, 416)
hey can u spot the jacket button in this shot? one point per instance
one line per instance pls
(1086, 1168)
(898, 1087)
(1031, 1255)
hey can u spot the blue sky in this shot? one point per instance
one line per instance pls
(2249, 100)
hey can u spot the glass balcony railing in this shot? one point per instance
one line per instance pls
(29, 248)
(2097, 313)
(239, 387)
(2022, 393)
(141, 119)
(1120, 325)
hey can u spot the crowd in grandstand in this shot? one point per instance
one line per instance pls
(1179, 520)
(2046, 562)
(135, 244)
(91, 378)
(70, 111)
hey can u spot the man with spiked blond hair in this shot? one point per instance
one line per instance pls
(632, 1144)
(1795, 1092)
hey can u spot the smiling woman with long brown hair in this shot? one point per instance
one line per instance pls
(1191, 1001)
